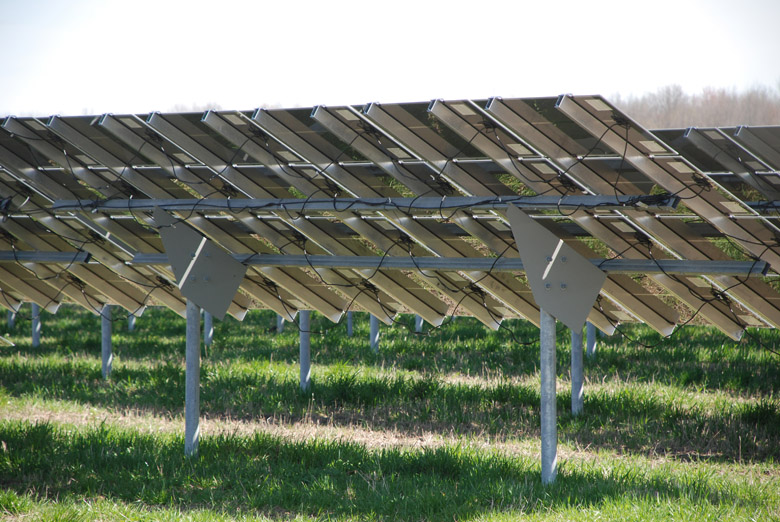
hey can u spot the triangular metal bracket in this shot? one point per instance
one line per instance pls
(205, 273)
(564, 283)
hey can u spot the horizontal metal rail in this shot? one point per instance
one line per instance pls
(409, 205)
(504, 264)
(34, 256)
(613, 266)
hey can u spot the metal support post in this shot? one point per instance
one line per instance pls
(130, 322)
(208, 328)
(11, 319)
(374, 335)
(418, 324)
(349, 324)
(279, 324)
(576, 372)
(590, 331)
(192, 378)
(36, 325)
(305, 351)
(548, 413)
(105, 345)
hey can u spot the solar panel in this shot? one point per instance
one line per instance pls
(401, 183)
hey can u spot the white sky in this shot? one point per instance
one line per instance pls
(96, 56)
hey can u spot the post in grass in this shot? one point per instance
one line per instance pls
(208, 328)
(418, 324)
(590, 341)
(577, 378)
(548, 410)
(304, 324)
(192, 381)
(374, 333)
(105, 344)
(36, 325)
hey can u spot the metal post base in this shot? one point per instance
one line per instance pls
(192, 378)
(577, 378)
(305, 350)
(36, 325)
(105, 345)
(208, 328)
(418, 324)
(590, 330)
(548, 411)
(374, 335)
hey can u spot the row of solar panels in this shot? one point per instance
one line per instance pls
(726, 178)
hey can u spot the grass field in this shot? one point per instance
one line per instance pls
(438, 427)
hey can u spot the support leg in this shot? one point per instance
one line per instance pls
(130, 323)
(305, 351)
(279, 324)
(192, 386)
(349, 324)
(576, 373)
(11, 319)
(590, 330)
(418, 324)
(105, 344)
(36, 325)
(208, 328)
(548, 413)
(374, 335)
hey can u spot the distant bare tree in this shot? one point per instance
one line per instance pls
(671, 107)
(196, 107)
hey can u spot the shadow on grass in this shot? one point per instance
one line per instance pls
(696, 357)
(264, 474)
(632, 419)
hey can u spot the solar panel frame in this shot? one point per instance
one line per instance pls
(517, 117)
(387, 150)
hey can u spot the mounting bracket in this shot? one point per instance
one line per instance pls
(205, 273)
(564, 283)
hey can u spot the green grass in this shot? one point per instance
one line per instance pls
(688, 429)
(265, 474)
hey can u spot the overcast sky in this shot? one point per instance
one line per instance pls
(96, 56)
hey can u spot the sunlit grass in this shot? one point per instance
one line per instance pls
(688, 428)
(262, 474)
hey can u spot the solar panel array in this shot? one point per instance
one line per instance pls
(426, 182)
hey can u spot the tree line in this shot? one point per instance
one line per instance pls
(671, 107)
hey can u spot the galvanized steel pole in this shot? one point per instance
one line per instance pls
(130, 322)
(192, 378)
(418, 323)
(576, 372)
(36, 325)
(305, 350)
(349, 324)
(590, 330)
(105, 344)
(548, 412)
(208, 328)
(11, 319)
(279, 324)
(374, 335)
